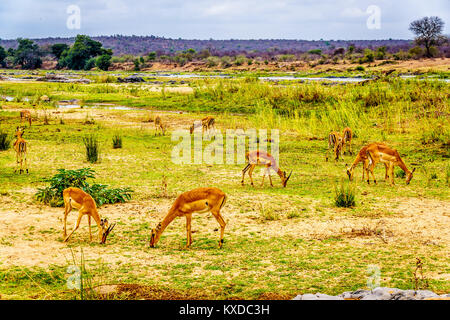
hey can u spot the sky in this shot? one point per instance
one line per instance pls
(219, 19)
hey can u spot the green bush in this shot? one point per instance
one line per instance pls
(344, 196)
(92, 148)
(5, 141)
(53, 194)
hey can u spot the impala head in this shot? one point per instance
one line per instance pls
(409, 176)
(19, 132)
(154, 235)
(284, 178)
(349, 172)
(191, 129)
(106, 228)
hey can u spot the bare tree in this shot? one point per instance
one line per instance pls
(428, 32)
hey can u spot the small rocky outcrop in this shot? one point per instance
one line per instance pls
(379, 293)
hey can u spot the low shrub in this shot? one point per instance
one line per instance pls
(5, 141)
(117, 141)
(344, 196)
(92, 148)
(53, 194)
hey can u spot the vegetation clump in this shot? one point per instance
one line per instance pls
(53, 194)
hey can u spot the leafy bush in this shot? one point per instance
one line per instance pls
(92, 148)
(344, 196)
(53, 194)
(5, 141)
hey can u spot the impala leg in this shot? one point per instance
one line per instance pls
(219, 218)
(391, 169)
(270, 177)
(25, 161)
(244, 171)
(90, 233)
(188, 230)
(80, 215)
(386, 175)
(250, 172)
(264, 175)
(67, 209)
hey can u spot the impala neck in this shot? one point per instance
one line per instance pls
(164, 223)
(402, 165)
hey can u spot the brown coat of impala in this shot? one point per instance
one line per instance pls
(20, 147)
(384, 154)
(347, 136)
(199, 200)
(24, 116)
(335, 141)
(207, 124)
(262, 158)
(78, 199)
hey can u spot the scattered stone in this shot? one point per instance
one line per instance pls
(379, 293)
(130, 79)
(45, 98)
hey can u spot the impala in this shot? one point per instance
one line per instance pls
(20, 147)
(24, 116)
(199, 200)
(207, 124)
(363, 157)
(347, 136)
(391, 157)
(78, 199)
(335, 142)
(159, 125)
(255, 158)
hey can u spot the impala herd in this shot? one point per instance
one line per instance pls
(212, 200)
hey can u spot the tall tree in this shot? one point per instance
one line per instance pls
(82, 50)
(27, 54)
(428, 31)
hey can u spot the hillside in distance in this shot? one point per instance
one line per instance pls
(141, 45)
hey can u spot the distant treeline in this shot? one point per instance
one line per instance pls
(142, 45)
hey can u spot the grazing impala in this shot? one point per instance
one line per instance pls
(335, 142)
(347, 136)
(363, 157)
(208, 123)
(381, 153)
(255, 158)
(20, 147)
(197, 200)
(24, 116)
(159, 125)
(78, 199)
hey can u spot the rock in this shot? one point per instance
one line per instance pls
(317, 296)
(424, 294)
(130, 79)
(44, 98)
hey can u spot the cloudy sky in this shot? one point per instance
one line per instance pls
(219, 19)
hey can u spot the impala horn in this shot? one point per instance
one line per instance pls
(287, 179)
(105, 235)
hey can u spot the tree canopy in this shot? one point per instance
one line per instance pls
(82, 50)
(428, 31)
(28, 54)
